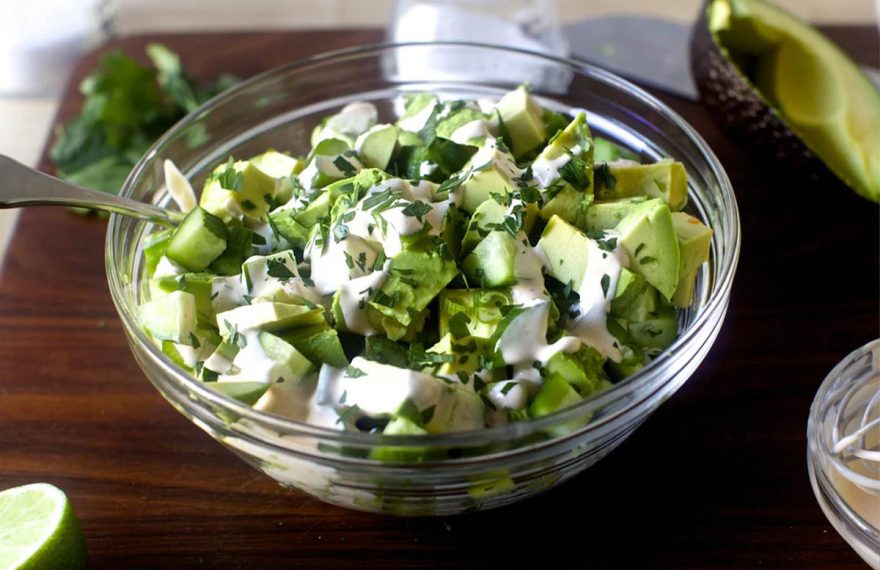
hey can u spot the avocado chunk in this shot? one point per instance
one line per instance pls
(170, 317)
(630, 288)
(632, 360)
(493, 262)
(570, 205)
(238, 189)
(376, 145)
(581, 369)
(564, 169)
(568, 156)
(789, 89)
(414, 279)
(481, 310)
(329, 161)
(447, 126)
(523, 120)
(665, 179)
(463, 354)
(402, 454)
(556, 394)
(293, 364)
(319, 343)
(694, 242)
(198, 240)
(277, 164)
(657, 331)
(492, 171)
(606, 215)
(649, 239)
(565, 248)
(607, 151)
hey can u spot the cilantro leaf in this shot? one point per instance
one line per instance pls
(416, 209)
(576, 172)
(279, 270)
(604, 178)
(458, 325)
(127, 107)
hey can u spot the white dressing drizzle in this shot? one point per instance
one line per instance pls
(595, 301)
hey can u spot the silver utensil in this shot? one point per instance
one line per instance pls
(22, 186)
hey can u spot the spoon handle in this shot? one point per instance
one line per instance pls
(22, 186)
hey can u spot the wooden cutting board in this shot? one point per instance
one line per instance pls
(716, 478)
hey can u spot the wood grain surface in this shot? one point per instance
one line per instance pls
(717, 478)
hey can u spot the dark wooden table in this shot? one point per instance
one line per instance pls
(716, 478)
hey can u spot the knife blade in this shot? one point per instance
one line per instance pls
(650, 51)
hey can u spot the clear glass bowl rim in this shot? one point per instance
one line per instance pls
(645, 382)
(817, 450)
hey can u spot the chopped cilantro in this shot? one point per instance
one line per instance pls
(416, 209)
(278, 270)
(344, 166)
(458, 325)
(577, 173)
(604, 178)
(606, 282)
(230, 179)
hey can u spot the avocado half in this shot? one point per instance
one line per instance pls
(790, 90)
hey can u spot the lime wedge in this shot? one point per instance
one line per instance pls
(38, 530)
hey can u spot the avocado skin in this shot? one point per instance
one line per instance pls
(738, 107)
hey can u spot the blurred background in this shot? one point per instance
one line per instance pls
(40, 40)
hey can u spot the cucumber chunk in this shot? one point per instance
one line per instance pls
(199, 240)
(493, 261)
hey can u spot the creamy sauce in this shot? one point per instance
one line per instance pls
(381, 389)
(324, 164)
(487, 104)
(427, 168)
(353, 297)
(503, 162)
(264, 230)
(416, 122)
(529, 277)
(546, 170)
(353, 119)
(524, 343)
(336, 262)
(227, 293)
(262, 285)
(251, 363)
(295, 400)
(473, 130)
(591, 324)
(508, 395)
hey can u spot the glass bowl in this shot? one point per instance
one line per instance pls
(843, 450)
(472, 470)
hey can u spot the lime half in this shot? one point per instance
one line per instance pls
(38, 530)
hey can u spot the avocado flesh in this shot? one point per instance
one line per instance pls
(816, 90)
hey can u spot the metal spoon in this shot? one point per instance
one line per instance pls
(22, 186)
